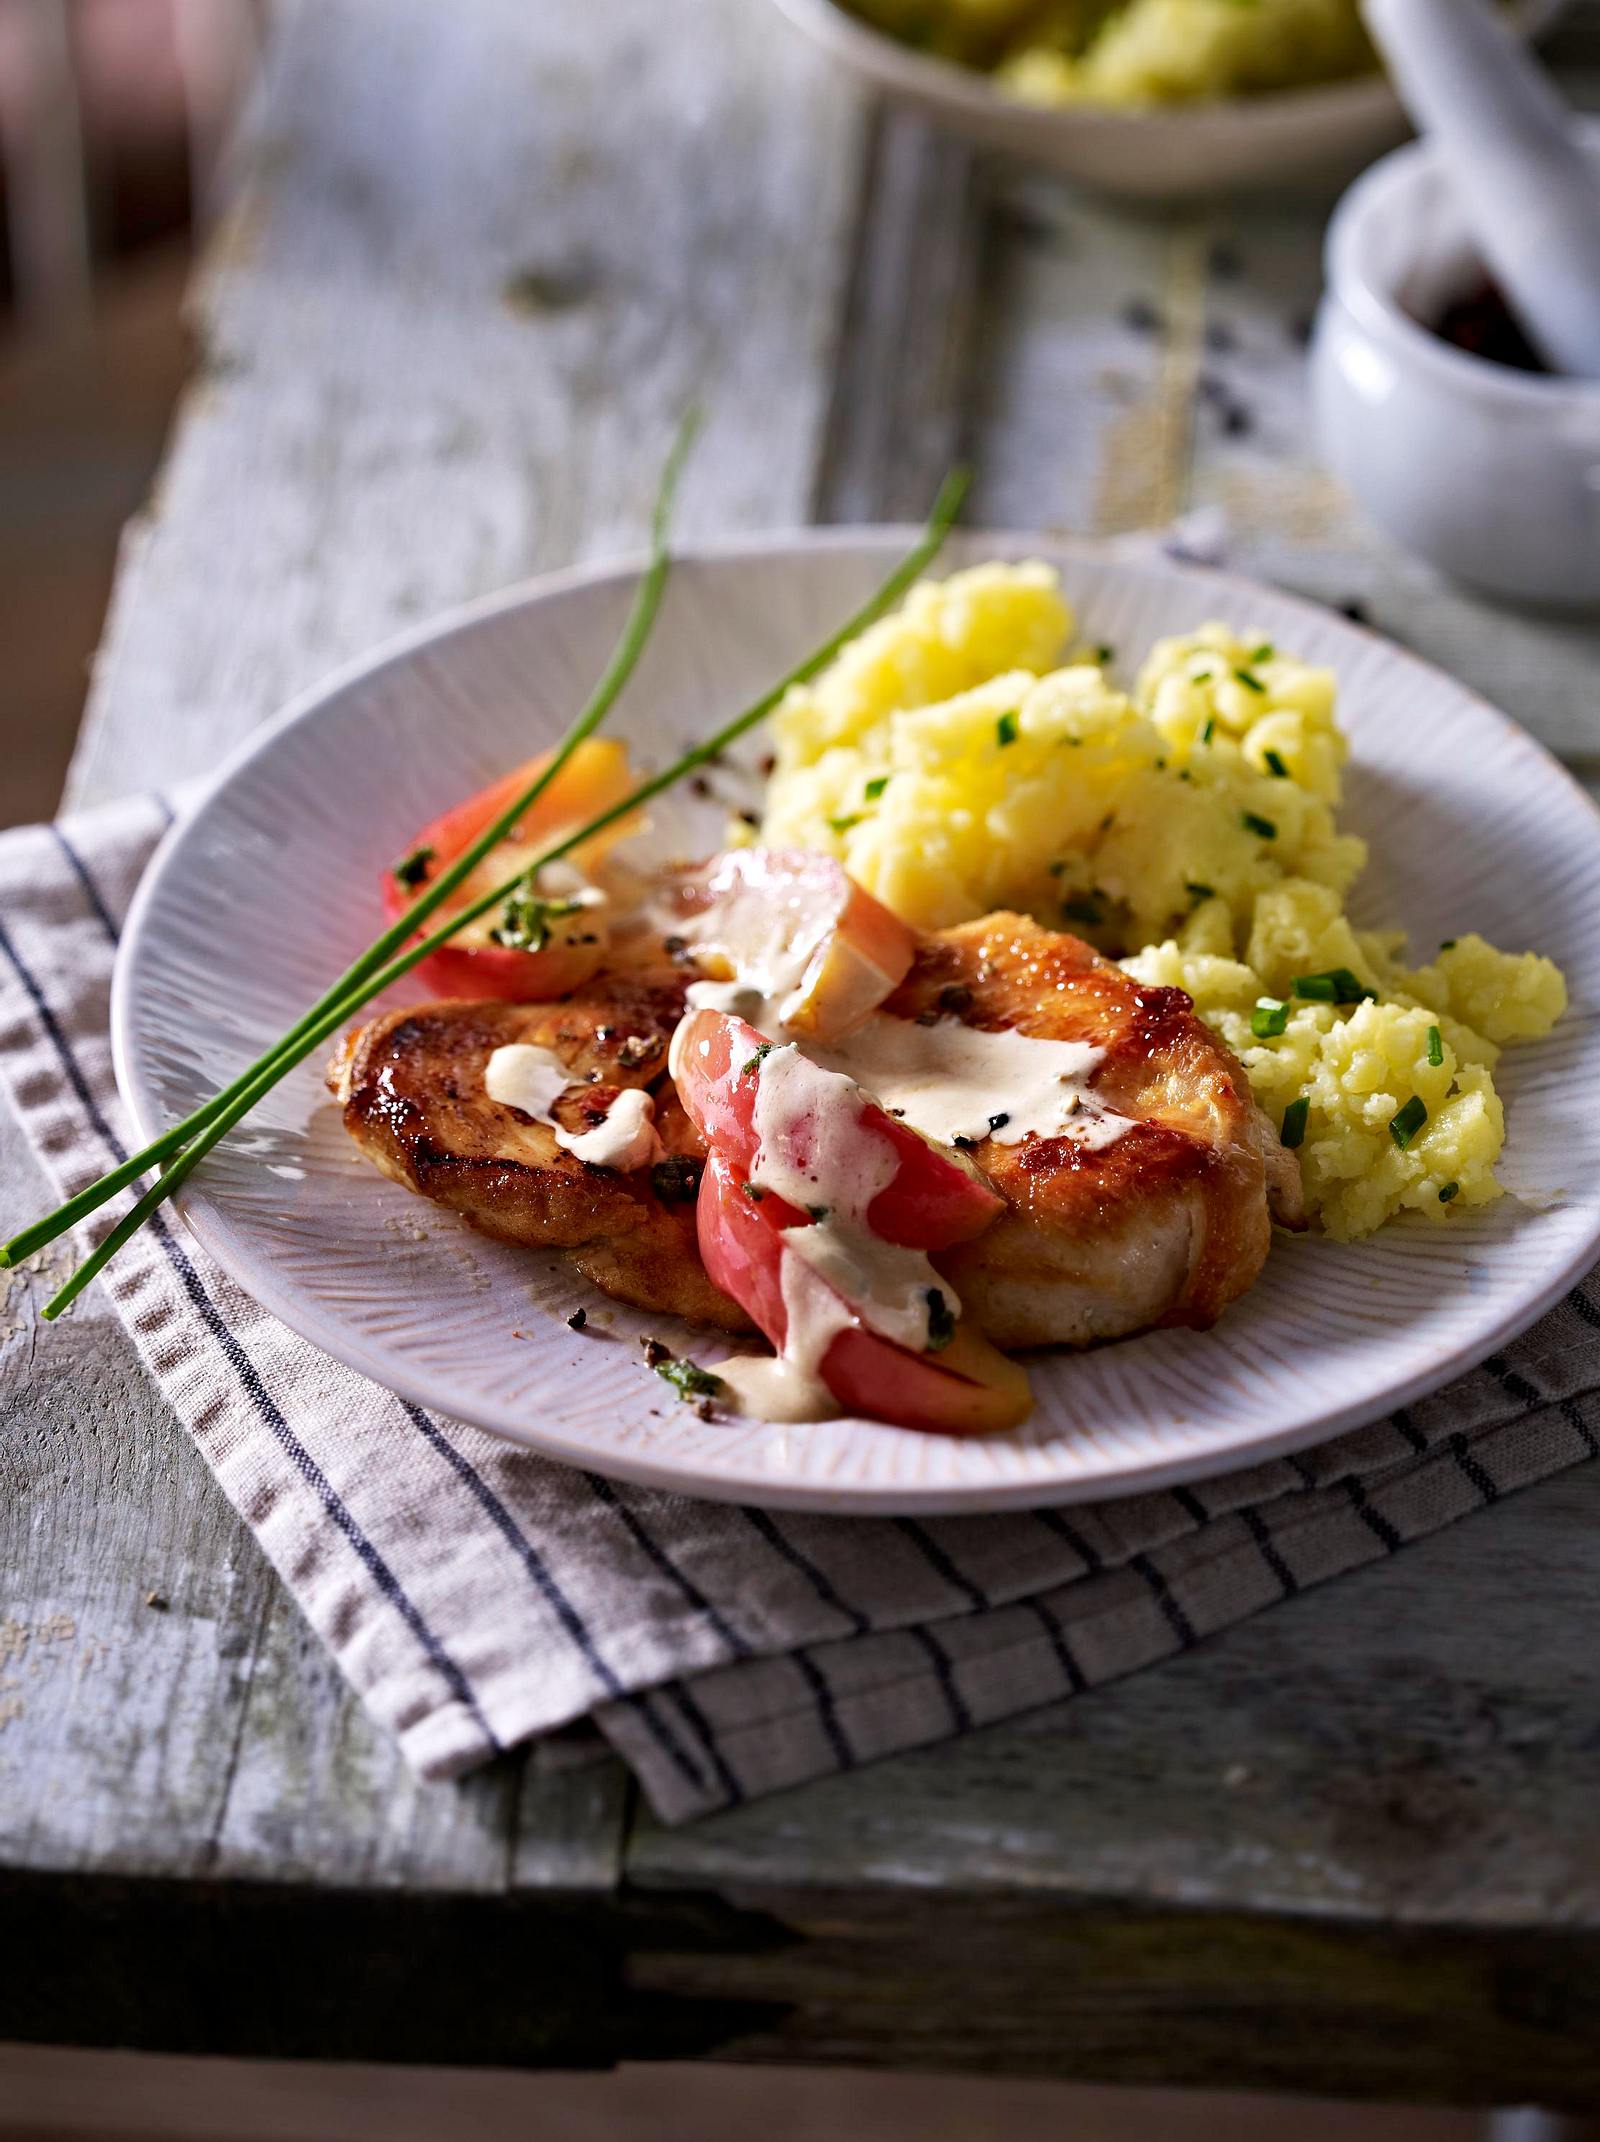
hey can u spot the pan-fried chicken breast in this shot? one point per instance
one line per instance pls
(1166, 1224)
(1169, 1222)
(412, 1088)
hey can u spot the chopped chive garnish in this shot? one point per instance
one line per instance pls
(1083, 907)
(1271, 1016)
(1209, 730)
(875, 787)
(1262, 828)
(1055, 869)
(1275, 764)
(689, 1379)
(1447, 944)
(753, 1191)
(1447, 1191)
(1435, 1046)
(1294, 1122)
(1198, 892)
(941, 1321)
(1405, 1123)
(753, 1063)
(845, 821)
(1201, 676)
(1337, 985)
(525, 919)
(1105, 653)
(413, 868)
(1253, 684)
(1263, 653)
(1005, 729)
(676, 1180)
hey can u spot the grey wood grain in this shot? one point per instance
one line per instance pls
(910, 333)
(111, 1704)
(1350, 1845)
(479, 269)
(446, 335)
(482, 259)
(1350, 1755)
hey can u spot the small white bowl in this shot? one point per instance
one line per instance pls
(1490, 473)
(1317, 137)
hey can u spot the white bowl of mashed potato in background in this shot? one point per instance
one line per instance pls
(1315, 137)
(1491, 473)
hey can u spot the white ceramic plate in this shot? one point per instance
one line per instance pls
(1304, 137)
(270, 887)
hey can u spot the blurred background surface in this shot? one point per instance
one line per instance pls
(113, 119)
(132, 2097)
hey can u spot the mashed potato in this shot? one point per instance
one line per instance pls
(962, 755)
(1136, 52)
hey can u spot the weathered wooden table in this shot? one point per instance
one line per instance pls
(481, 259)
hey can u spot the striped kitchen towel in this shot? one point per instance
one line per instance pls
(476, 1596)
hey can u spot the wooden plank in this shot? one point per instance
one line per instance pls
(1084, 397)
(108, 2095)
(485, 260)
(1194, 2000)
(1375, 1839)
(902, 379)
(163, 1709)
(110, 1704)
(1345, 1844)
(1347, 1755)
(446, 337)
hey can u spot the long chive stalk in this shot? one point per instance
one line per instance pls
(619, 668)
(317, 1028)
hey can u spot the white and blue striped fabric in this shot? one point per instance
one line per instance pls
(476, 1596)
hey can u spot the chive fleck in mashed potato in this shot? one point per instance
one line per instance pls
(1136, 52)
(964, 755)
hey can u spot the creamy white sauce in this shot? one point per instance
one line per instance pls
(887, 1287)
(815, 1316)
(532, 1079)
(769, 934)
(947, 1080)
(626, 1139)
(811, 1145)
(814, 1151)
(952, 1081)
(956, 1084)
(521, 1075)
(766, 1387)
(789, 1387)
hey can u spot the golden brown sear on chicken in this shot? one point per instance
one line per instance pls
(412, 1088)
(1167, 1224)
